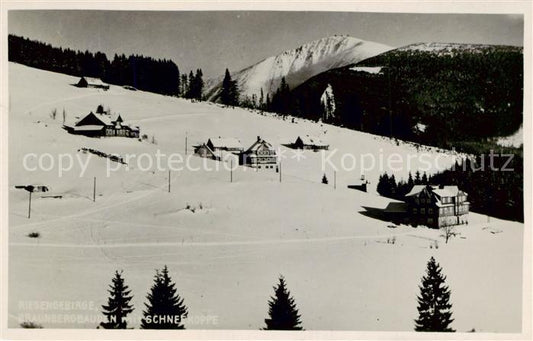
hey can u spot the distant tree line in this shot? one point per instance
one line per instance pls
(388, 187)
(144, 73)
(280, 102)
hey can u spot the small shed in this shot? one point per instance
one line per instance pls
(310, 142)
(90, 82)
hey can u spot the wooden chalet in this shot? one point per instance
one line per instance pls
(89, 82)
(261, 154)
(432, 206)
(437, 206)
(98, 125)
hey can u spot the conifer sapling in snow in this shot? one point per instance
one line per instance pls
(434, 307)
(118, 304)
(165, 308)
(282, 311)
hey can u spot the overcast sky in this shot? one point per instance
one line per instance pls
(213, 40)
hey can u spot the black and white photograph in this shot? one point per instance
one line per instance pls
(309, 168)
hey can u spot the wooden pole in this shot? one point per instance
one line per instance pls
(94, 189)
(29, 207)
(185, 143)
(334, 179)
(279, 170)
(231, 171)
(169, 181)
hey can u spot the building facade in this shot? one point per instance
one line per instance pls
(261, 154)
(437, 206)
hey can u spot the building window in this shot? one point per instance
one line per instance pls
(415, 211)
(422, 211)
(430, 220)
(430, 211)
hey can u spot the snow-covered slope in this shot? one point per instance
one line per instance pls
(347, 271)
(298, 65)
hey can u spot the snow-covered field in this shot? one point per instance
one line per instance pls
(341, 266)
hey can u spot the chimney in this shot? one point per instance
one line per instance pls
(441, 186)
(258, 138)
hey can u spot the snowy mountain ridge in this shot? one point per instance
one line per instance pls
(449, 48)
(298, 65)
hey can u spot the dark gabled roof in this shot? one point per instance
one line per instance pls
(203, 145)
(94, 119)
(258, 143)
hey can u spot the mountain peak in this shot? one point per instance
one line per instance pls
(299, 64)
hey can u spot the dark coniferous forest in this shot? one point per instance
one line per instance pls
(144, 73)
(494, 183)
(439, 99)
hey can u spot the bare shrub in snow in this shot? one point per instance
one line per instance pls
(30, 325)
(34, 234)
(448, 231)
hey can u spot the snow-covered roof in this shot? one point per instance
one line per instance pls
(312, 141)
(415, 190)
(441, 191)
(95, 81)
(226, 142)
(88, 128)
(420, 127)
(257, 144)
(446, 191)
(367, 69)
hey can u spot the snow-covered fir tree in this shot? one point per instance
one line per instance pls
(118, 304)
(282, 311)
(165, 308)
(434, 305)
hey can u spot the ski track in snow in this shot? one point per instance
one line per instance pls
(229, 243)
